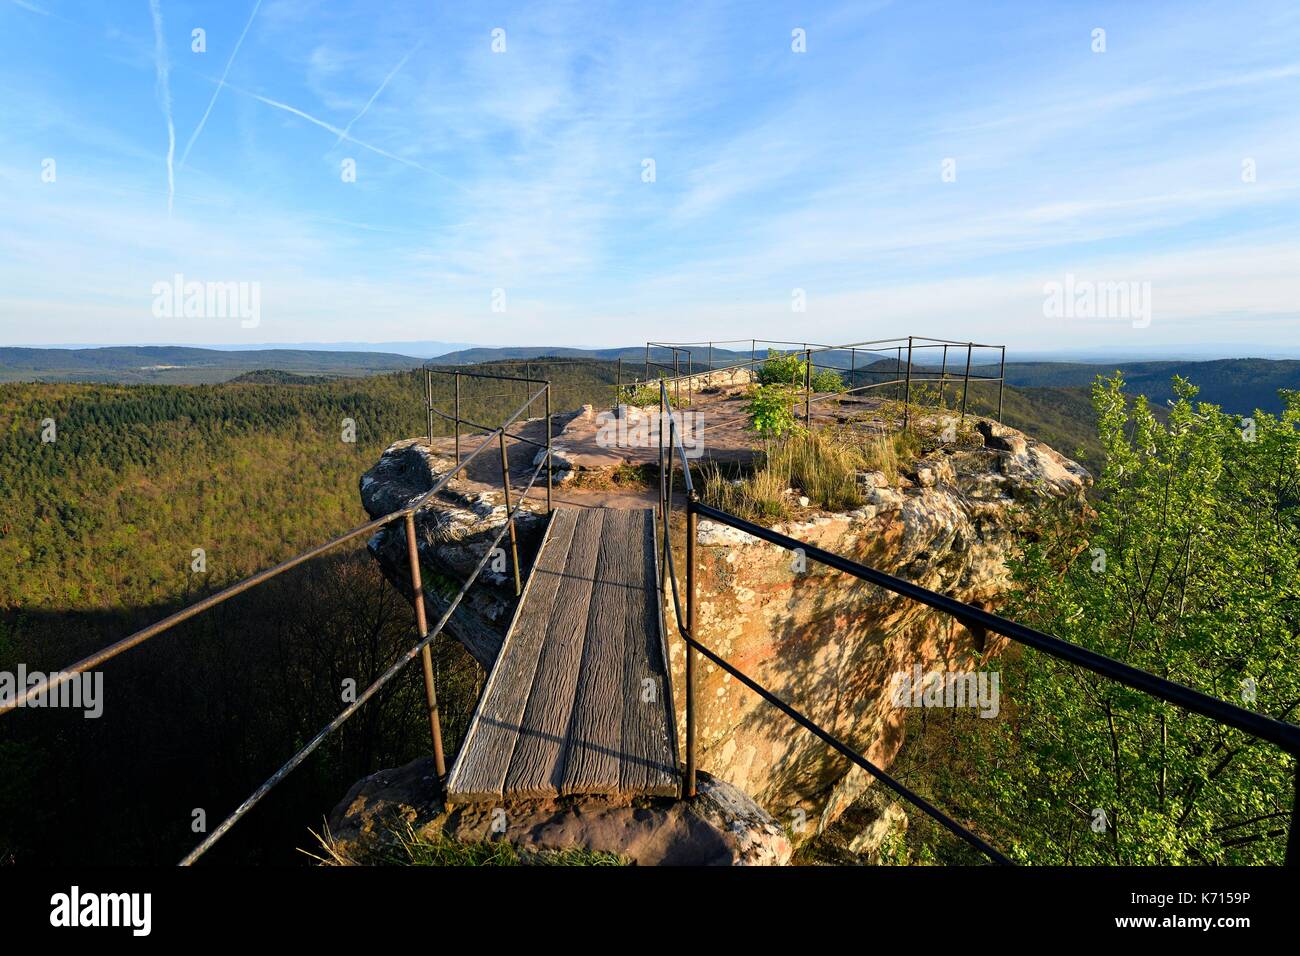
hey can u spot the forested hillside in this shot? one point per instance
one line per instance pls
(97, 535)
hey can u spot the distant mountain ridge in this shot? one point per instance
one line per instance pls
(178, 364)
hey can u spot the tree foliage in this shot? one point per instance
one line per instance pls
(1191, 570)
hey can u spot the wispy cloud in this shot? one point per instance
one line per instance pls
(31, 7)
(374, 96)
(162, 68)
(220, 84)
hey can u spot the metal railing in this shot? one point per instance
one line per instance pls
(426, 635)
(912, 366)
(1281, 734)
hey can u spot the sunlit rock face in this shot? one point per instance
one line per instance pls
(829, 644)
(453, 533)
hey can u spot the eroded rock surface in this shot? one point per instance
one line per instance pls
(452, 535)
(721, 827)
(830, 644)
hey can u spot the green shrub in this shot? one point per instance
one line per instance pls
(781, 368)
(771, 411)
(787, 368)
(827, 380)
(647, 395)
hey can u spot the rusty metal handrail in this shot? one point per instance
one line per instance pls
(457, 374)
(421, 648)
(198, 607)
(406, 513)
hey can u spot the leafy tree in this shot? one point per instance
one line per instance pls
(1191, 570)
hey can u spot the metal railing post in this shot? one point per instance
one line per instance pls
(943, 376)
(663, 487)
(514, 543)
(618, 383)
(691, 522)
(549, 469)
(807, 390)
(428, 400)
(426, 658)
(853, 368)
(457, 377)
(1002, 381)
(907, 388)
(965, 383)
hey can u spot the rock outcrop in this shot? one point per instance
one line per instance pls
(825, 642)
(452, 536)
(722, 827)
(830, 644)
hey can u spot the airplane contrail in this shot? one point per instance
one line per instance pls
(220, 83)
(342, 133)
(365, 109)
(163, 68)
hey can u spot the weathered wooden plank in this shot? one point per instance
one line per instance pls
(648, 764)
(480, 769)
(594, 745)
(537, 766)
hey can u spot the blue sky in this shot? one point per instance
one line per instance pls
(775, 170)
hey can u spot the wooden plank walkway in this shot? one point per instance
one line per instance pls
(578, 701)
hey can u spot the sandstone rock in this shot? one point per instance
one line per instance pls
(452, 535)
(890, 820)
(829, 644)
(722, 826)
(719, 379)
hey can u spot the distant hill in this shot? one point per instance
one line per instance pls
(477, 356)
(275, 376)
(181, 365)
(1238, 385)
